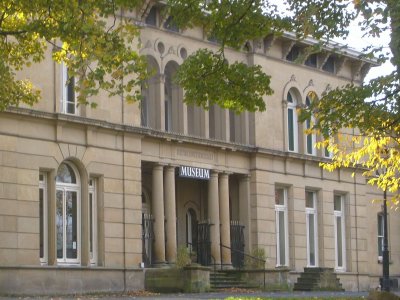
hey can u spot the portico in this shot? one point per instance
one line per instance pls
(181, 198)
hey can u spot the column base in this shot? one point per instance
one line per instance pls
(160, 264)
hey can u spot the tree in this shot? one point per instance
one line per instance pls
(94, 40)
(88, 36)
(371, 111)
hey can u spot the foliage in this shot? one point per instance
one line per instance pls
(80, 34)
(259, 262)
(183, 257)
(98, 45)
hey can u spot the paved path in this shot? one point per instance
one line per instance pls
(219, 295)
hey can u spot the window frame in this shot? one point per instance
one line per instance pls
(340, 214)
(64, 188)
(93, 236)
(282, 208)
(380, 236)
(43, 219)
(292, 107)
(312, 211)
(65, 97)
(313, 136)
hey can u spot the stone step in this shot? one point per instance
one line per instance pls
(318, 279)
(225, 280)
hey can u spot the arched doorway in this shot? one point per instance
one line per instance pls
(191, 230)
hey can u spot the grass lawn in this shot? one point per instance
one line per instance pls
(297, 298)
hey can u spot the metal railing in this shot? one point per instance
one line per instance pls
(249, 256)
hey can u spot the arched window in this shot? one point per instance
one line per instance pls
(68, 197)
(292, 129)
(310, 138)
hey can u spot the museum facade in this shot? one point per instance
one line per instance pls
(91, 198)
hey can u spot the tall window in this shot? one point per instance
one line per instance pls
(144, 108)
(312, 229)
(171, 25)
(310, 138)
(168, 107)
(92, 220)
(68, 99)
(339, 227)
(380, 236)
(281, 221)
(151, 18)
(232, 126)
(43, 217)
(292, 123)
(68, 214)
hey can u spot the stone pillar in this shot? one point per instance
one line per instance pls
(224, 219)
(245, 210)
(213, 214)
(170, 214)
(158, 214)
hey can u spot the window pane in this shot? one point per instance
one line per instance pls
(339, 245)
(59, 223)
(71, 224)
(151, 18)
(291, 129)
(167, 115)
(337, 205)
(309, 199)
(380, 225)
(41, 221)
(91, 224)
(143, 108)
(280, 196)
(311, 236)
(232, 131)
(309, 139)
(289, 98)
(211, 122)
(65, 174)
(380, 246)
(282, 240)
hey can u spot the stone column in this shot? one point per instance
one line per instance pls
(170, 214)
(158, 214)
(213, 214)
(224, 219)
(245, 210)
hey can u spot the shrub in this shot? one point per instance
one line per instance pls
(259, 263)
(183, 257)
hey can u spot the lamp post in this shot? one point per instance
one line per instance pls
(385, 252)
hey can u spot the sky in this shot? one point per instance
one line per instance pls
(358, 42)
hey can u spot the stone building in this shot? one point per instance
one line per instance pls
(90, 198)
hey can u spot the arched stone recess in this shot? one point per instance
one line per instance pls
(152, 93)
(292, 99)
(175, 112)
(293, 86)
(310, 88)
(170, 58)
(150, 52)
(72, 242)
(70, 150)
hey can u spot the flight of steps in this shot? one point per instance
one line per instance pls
(318, 279)
(226, 279)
